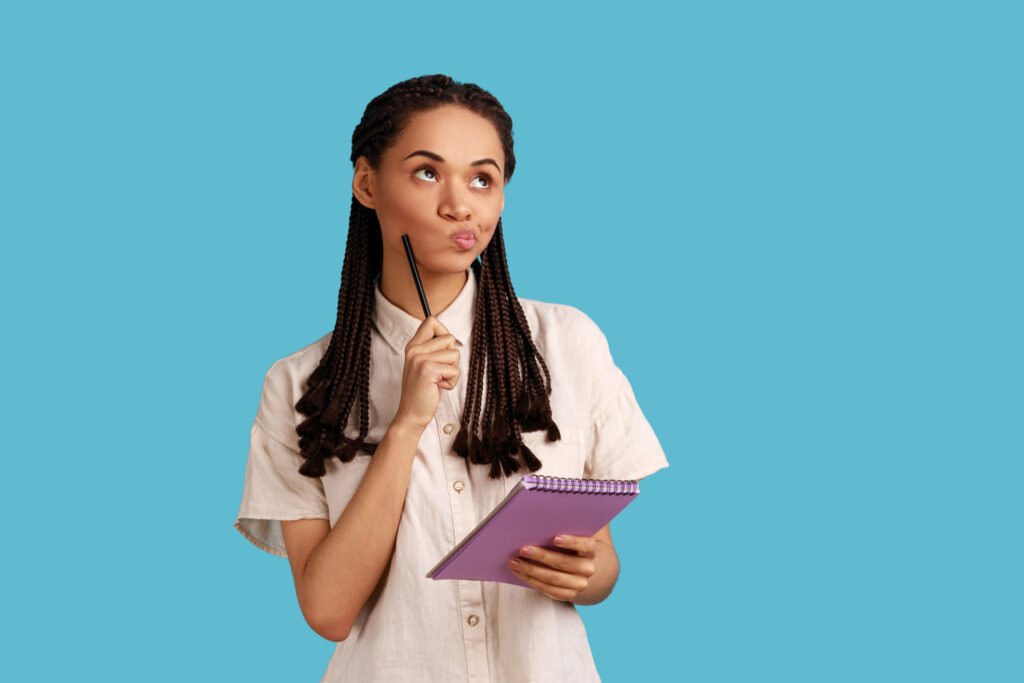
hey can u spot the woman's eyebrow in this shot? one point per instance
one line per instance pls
(438, 158)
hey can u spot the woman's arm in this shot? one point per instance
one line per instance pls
(336, 570)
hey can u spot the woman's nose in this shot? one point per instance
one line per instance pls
(455, 205)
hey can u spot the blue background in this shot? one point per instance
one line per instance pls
(799, 225)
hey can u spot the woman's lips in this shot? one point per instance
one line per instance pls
(465, 239)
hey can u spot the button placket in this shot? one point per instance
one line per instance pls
(471, 597)
(447, 421)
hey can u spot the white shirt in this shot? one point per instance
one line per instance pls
(415, 628)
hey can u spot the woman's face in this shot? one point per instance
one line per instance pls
(441, 183)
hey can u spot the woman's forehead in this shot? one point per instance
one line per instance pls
(451, 132)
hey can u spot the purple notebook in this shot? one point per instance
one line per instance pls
(532, 513)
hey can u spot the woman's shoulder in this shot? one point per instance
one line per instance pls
(284, 383)
(302, 362)
(553, 322)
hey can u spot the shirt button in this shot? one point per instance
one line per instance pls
(473, 620)
(458, 486)
(449, 428)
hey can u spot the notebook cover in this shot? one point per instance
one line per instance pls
(532, 516)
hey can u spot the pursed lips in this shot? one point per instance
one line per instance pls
(465, 239)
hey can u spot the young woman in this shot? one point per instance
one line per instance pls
(379, 446)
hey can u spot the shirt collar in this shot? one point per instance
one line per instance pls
(398, 327)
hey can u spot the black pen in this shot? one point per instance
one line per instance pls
(416, 275)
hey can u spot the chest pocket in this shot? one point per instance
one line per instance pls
(563, 458)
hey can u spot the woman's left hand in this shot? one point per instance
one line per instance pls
(559, 575)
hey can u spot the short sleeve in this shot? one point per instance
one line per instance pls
(273, 489)
(621, 443)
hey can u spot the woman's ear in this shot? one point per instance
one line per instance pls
(364, 183)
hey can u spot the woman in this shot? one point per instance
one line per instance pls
(382, 444)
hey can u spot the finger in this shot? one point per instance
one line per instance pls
(553, 577)
(434, 366)
(554, 592)
(567, 562)
(445, 356)
(445, 376)
(585, 546)
(445, 341)
(574, 569)
(430, 327)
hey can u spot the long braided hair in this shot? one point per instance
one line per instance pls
(518, 382)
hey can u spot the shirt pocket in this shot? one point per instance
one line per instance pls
(563, 458)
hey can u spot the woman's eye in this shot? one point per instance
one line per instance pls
(426, 174)
(484, 179)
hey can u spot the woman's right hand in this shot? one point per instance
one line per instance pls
(431, 364)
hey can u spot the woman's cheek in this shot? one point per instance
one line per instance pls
(486, 235)
(404, 206)
(402, 213)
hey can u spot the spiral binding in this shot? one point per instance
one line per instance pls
(614, 487)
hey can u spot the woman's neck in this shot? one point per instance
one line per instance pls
(398, 286)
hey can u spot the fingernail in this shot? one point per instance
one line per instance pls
(559, 540)
(525, 551)
(514, 564)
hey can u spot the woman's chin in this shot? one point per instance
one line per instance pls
(450, 264)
